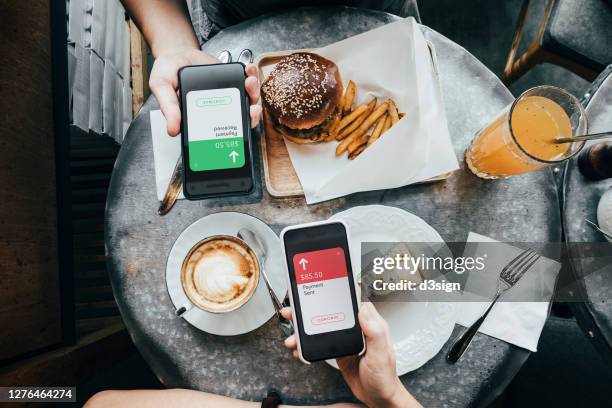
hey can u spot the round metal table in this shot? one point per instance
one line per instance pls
(138, 240)
(581, 197)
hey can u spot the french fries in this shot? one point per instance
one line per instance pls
(357, 143)
(387, 124)
(352, 116)
(378, 129)
(357, 152)
(351, 127)
(333, 131)
(393, 112)
(348, 98)
(357, 122)
(362, 129)
(357, 129)
(367, 138)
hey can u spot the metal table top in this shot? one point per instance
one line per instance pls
(138, 240)
(581, 197)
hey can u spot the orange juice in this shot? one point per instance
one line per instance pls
(522, 144)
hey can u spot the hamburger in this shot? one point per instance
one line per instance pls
(302, 97)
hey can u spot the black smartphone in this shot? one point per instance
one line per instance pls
(322, 291)
(215, 131)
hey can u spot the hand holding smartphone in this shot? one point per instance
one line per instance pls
(215, 131)
(322, 291)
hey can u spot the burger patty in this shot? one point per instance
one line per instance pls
(304, 133)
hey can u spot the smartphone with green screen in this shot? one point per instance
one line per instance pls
(215, 131)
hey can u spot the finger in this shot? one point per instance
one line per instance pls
(255, 115)
(252, 87)
(295, 354)
(291, 342)
(286, 313)
(251, 70)
(168, 103)
(374, 328)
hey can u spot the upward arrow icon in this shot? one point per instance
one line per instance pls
(233, 155)
(303, 262)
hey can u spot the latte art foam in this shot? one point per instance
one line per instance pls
(219, 274)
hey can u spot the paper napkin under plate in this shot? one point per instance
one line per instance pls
(518, 323)
(166, 151)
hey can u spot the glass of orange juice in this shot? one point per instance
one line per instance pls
(522, 137)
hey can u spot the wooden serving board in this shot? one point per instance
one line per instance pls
(279, 175)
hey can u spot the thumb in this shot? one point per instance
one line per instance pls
(374, 327)
(169, 104)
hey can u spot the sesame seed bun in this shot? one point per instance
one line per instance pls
(302, 94)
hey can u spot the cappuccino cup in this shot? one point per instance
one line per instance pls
(220, 274)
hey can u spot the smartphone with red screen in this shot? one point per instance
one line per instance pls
(322, 291)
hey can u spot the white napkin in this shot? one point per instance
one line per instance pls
(166, 151)
(390, 61)
(518, 323)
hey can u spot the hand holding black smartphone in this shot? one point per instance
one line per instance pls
(215, 131)
(322, 291)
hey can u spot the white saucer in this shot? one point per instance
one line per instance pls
(419, 330)
(258, 310)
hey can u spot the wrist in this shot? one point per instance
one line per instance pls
(173, 46)
(401, 398)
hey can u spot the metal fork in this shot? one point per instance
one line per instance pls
(597, 228)
(508, 277)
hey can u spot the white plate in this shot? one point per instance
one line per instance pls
(604, 213)
(418, 329)
(259, 309)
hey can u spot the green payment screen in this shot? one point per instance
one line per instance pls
(214, 129)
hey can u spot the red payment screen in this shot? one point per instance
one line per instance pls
(323, 290)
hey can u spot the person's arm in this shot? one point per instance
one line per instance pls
(372, 377)
(167, 29)
(163, 398)
(177, 398)
(164, 24)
